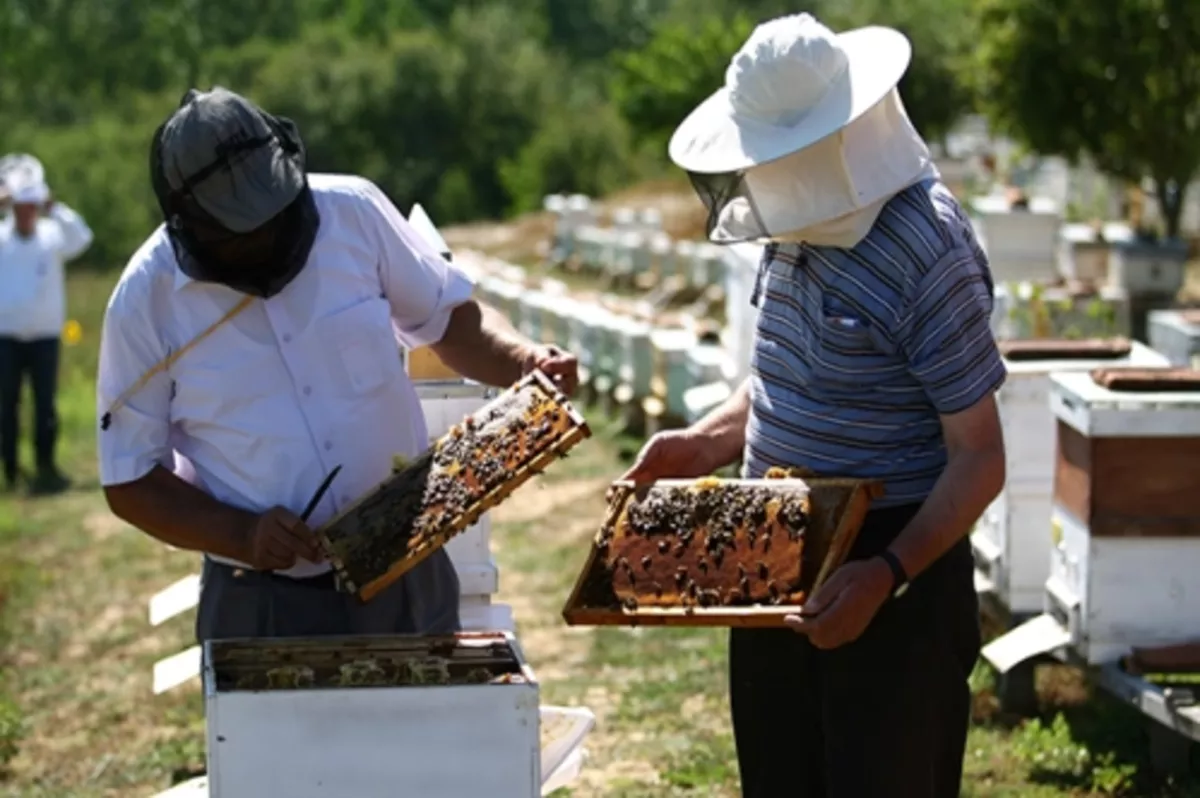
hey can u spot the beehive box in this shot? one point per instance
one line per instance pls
(1020, 243)
(425, 503)
(368, 717)
(1039, 310)
(634, 359)
(1143, 268)
(714, 552)
(1126, 563)
(1012, 540)
(1082, 254)
(706, 363)
(1176, 333)
(670, 347)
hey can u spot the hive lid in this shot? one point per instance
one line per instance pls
(1147, 380)
(1065, 349)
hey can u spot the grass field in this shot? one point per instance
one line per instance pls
(77, 716)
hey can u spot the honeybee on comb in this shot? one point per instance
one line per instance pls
(707, 543)
(426, 501)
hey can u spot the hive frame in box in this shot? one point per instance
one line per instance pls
(577, 612)
(366, 740)
(578, 432)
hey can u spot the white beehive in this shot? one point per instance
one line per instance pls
(1176, 333)
(628, 253)
(701, 400)
(670, 348)
(1125, 568)
(1148, 268)
(1025, 310)
(585, 338)
(446, 403)
(606, 359)
(1020, 244)
(706, 363)
(367, 741)
(662, 253)
(708, 265)
(1011, 541)
(1082, 254)
(634, 359)
(508, 299)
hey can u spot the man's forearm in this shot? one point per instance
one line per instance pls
(181, 515)
(966, 487)
(482, 345)
(725, 427)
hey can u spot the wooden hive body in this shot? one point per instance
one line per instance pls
(1126, 517)
(1012, 540)
(1126, 459)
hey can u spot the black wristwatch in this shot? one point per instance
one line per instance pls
(899, 575)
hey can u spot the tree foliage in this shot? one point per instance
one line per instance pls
(475, 108)
(1117, 82)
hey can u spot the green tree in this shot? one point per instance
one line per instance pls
(936, 89)
(657, 86)
(1118, 82)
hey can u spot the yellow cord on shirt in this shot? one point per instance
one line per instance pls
(169, 360)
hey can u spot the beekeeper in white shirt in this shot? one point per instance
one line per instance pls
(40, 237)
(276, 300)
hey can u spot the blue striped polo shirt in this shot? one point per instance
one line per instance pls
(859, 351)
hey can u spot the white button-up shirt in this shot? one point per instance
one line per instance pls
(261, 410)
(33, 300)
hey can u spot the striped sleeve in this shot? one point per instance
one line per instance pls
(946, 333)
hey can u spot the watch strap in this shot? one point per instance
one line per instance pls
(899, 575)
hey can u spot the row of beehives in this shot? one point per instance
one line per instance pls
(633, 246)
(1097, 525)
(663, 371)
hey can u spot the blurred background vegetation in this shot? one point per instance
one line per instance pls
(478, 108)
(475, 108)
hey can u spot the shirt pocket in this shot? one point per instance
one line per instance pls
(361, 353)
(848, 352)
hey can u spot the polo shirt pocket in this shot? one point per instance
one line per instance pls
(848, 350)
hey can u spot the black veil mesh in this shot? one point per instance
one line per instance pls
(732, 214)
(259, 262)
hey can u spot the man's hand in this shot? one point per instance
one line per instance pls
(844, 606)
(277, 538)
(674, 454)
(560, 366)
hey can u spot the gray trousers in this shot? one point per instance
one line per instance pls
(239, 603)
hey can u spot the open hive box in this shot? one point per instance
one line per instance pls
(358, 716)
(1125, 566)
(475, 466)
(716, 552)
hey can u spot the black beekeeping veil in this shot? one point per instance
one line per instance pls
(231, 182)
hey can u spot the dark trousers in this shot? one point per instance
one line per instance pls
(237, 603)
(37, 360)
(883, 717)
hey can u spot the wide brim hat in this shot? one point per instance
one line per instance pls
(793, 83)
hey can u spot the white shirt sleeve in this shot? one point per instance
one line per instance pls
(75, 235)
(138, 435)
(419, 284)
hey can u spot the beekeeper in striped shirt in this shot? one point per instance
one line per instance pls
(872, 358)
